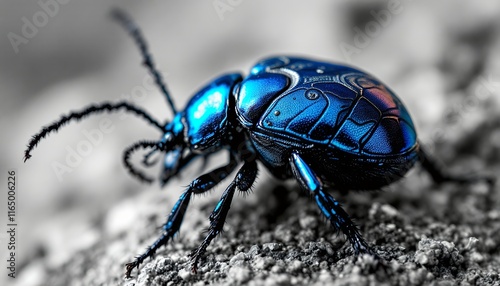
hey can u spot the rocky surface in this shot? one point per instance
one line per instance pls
(426, 234)
(441, 58)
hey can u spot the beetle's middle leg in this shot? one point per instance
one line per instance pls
(200, 185)
(439, 175)
(330, 208)
(243, 182)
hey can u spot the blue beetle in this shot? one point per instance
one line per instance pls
(328, 126)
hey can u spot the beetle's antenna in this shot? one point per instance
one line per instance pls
(77, 115)
(134, 147)
(126, 21)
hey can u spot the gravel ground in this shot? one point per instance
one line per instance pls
(447, 235)
(427, 234)
(80, 229)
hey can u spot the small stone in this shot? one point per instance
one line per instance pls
(221, 257)
(276, 269)
(421, 258)
(295, 265)
(254, 250)
(308, 222)
(402, 258)
(272, 246)
(277, 279)
(476, 257)
(389, 210)
(325, 278)
(263, 262)
(238, 257)
(185, 274)
(471, 244)
(448, 245)
(240, 274)
(417, 277)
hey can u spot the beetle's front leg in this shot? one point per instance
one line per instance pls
(171, 170)
(202, 184)
(243, 182)
(330, 208)
(440, 176)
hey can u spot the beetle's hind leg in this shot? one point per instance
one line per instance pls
(439, 175)
(330, 208)
(202, 184)
(243, 182)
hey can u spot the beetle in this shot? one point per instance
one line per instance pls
(326, 125)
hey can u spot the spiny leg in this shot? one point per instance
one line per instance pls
(77, 115)
(243, 182)
(200, 185)
(330, 208)
(439, 175)
(135, 32)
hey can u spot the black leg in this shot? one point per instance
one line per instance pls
(330, 208)
(440, 176)
(202, 184)
(243, 182)
(77, 115)
(170, 171)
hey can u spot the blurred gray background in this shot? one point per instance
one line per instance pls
(441, 59)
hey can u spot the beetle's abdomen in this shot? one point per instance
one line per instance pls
(337, 106)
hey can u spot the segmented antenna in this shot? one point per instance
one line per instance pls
(126, 21)
(77, 115)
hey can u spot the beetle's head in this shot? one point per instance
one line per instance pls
(202, 128)
(175, 144)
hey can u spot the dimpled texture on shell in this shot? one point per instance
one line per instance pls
(329, 104)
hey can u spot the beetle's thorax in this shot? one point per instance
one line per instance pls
(206, 119)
